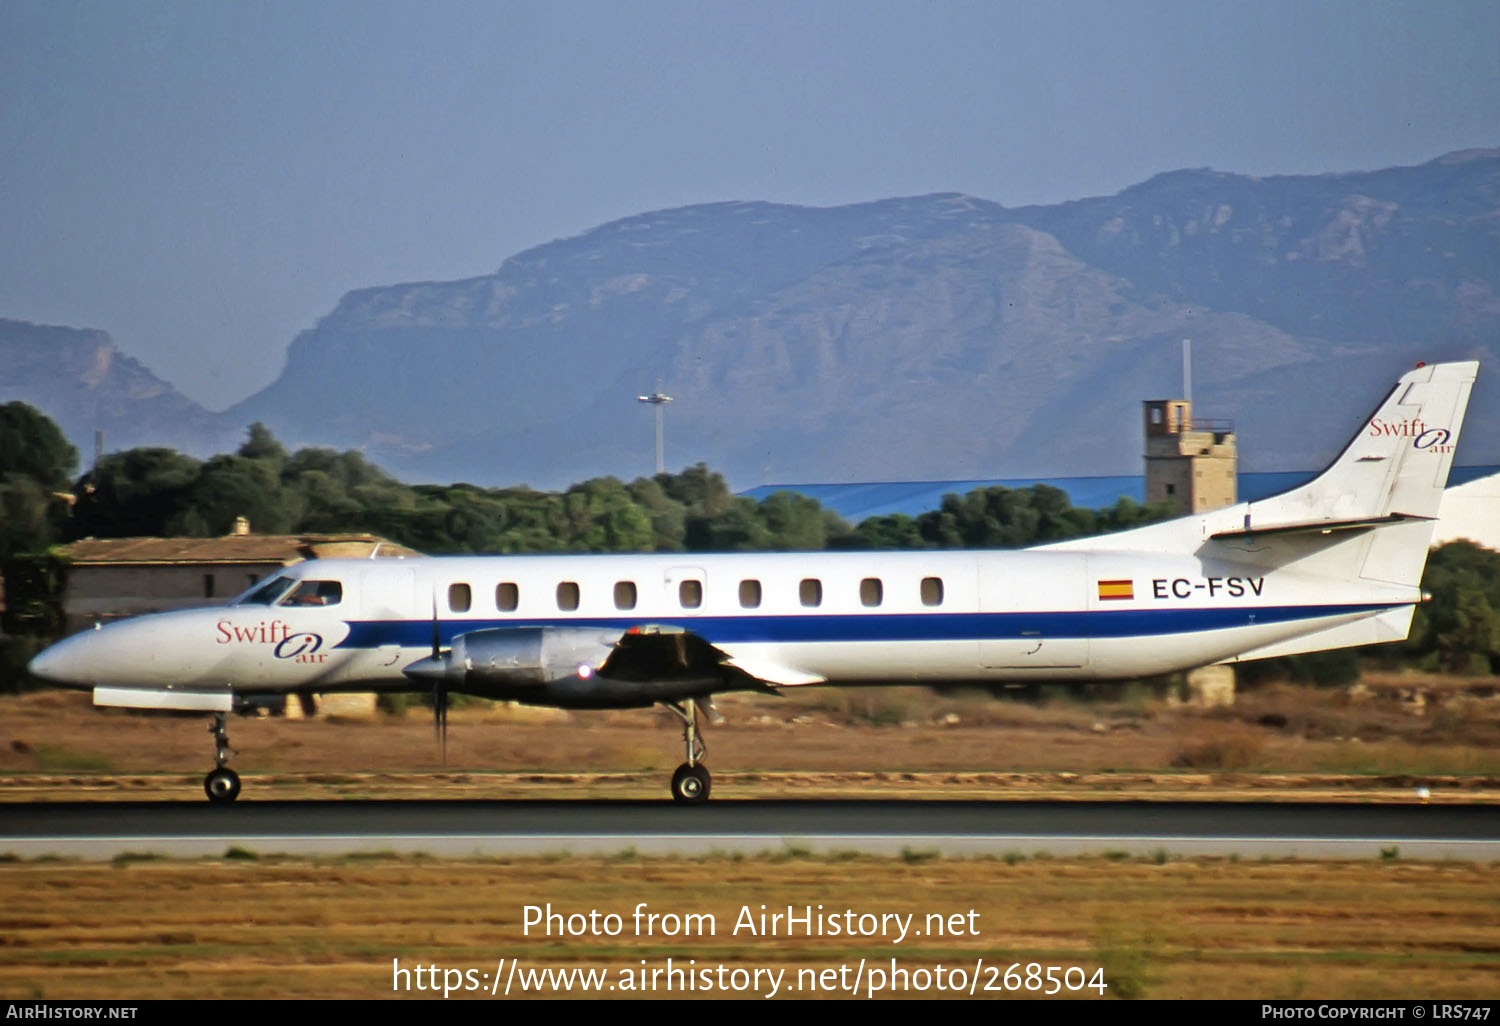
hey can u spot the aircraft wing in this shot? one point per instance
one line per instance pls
(656, 652)
(774, 673)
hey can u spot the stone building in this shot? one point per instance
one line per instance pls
(1190, 464)
(110, 578)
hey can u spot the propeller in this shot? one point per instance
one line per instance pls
(439, 687)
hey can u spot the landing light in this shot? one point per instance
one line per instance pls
(585, 671)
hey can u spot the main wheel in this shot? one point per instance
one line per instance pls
(690, 783)
(222, 785)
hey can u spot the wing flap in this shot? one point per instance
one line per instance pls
(774, 673)
(654, 651)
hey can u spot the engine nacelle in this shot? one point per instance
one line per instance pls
(560, 666)
(506, 657)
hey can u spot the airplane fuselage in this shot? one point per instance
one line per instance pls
(851, 617)
(1334, 563)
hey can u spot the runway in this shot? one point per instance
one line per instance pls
(104, 830)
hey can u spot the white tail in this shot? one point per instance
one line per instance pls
(1368, 516)
(1398, 462)
(1390, 477)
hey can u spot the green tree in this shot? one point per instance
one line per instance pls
(36, 465)
(262, 445)
(29, 515)
(667, 515)
(32, 446)
(133, 493)
(701, 491)
(895, 531)
(1458, 631)
(228, 487)
(736, 528)
(602, 517)
(796, 522)
(1127, 513)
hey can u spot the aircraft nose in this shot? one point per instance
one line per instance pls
(62, 663)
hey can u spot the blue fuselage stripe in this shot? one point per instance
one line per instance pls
(1106, 623)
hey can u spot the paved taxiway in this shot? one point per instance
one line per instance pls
(1334, 830)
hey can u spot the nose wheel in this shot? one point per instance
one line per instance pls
(222, 784)
(691, 781)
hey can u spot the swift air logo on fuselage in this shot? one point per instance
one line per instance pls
(1213, 587)
(285, 643)
(1428, 439)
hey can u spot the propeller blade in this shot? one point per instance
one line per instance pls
(439, 686)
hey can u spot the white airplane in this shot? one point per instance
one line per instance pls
(1334, 563)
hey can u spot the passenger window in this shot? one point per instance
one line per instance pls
(317, 593)
(811, 592)
(460, 598)
(750, 594)
(932, 591)
(871, 591)
(624, 594)
(507, 597)
(567, 596)
(690, 594)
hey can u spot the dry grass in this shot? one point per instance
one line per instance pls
(1234, 747)
(814, 739)
(1195, 928)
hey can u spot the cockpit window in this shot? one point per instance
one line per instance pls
(316, 593)
(268, 593)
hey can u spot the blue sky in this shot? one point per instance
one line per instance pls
(205, 179)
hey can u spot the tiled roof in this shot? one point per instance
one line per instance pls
(238, 548)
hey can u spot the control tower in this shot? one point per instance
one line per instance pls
(1190, 464)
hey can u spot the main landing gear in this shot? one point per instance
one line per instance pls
(222, 784)
(691, 781)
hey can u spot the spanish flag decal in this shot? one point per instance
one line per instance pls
(1116, 590)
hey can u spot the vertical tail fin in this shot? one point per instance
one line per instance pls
(1396, 465)
(1391, 477)
(1368, 516)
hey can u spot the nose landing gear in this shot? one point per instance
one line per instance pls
(222, 784)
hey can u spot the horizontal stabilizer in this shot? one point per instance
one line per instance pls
(1318, 526)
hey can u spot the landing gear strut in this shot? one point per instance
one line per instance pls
(222, 785)
(691, 781)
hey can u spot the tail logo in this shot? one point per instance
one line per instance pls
(1429, 439)
(1435, 439)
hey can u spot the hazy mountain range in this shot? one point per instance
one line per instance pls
(939, 336)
